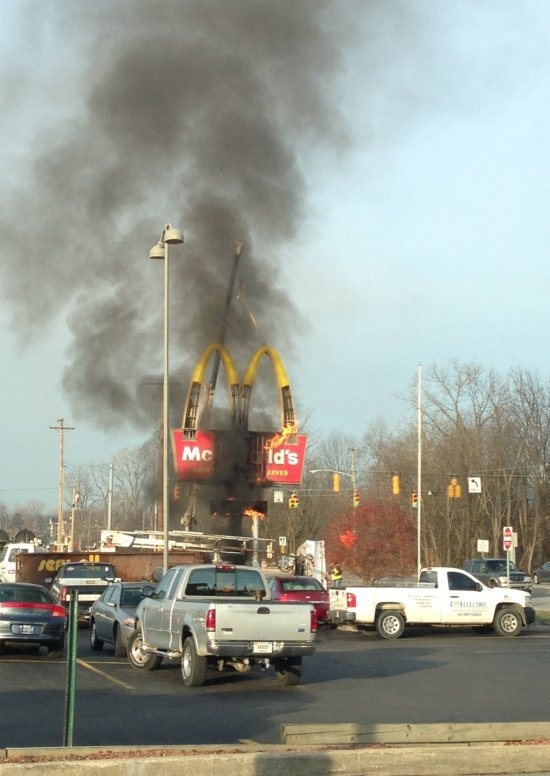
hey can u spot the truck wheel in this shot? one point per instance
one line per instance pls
(390, 625)
(120, 646)
(289, 672)
(137, 658)
(193, 666)
(507, 622)
(95, 643)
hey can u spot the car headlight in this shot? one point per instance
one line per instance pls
(527, 579)
(502, 580)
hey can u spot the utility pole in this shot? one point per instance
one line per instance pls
(61, 427)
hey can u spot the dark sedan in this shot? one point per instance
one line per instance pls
(29, 615)
(542, 573)
(112, 616)
(301, 589)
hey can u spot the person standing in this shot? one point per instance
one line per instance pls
(335, 574)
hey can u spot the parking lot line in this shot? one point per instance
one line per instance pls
(109, 678)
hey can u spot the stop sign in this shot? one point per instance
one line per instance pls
(507, 535)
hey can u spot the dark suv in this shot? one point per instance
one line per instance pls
(492, 572)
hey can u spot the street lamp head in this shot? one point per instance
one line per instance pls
(171, 235)
(157, 251)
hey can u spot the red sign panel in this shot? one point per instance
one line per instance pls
(284, 462)
(193, 458)
(507, 537)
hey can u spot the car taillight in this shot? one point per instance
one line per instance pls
(211, 620)
(58, 611)
(284, 597)
(351, 601)
(313, 615)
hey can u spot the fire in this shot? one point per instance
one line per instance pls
(288, 431)
(249, 512)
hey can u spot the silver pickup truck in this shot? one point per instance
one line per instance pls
(215, 616)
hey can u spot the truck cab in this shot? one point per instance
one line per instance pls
(8, 558)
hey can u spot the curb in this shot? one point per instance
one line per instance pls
(451, 759)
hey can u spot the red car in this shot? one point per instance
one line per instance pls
(301, 590)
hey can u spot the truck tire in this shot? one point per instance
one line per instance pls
(193, 665)
(508, 621)
(120, 646)
(390, 624)
(95, 643)
(289, 671)
(137, 659)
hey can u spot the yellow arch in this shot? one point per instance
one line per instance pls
(287, 407)
(191, 412)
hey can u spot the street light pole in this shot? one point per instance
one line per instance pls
(169, 236)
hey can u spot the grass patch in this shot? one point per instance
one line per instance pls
(542, 618)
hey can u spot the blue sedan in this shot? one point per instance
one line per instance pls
(29, 615)
(112, 616)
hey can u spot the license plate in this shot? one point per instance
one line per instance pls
(263, 647)
(29, 630)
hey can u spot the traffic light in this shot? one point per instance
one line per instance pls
(336, 482)
(414, 499)
(454, 490)
(293, 501)
(395, 487)
(355, 498)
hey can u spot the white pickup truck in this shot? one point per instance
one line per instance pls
(216, 616)
(442, 596)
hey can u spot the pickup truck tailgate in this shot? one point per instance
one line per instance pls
(263, 621)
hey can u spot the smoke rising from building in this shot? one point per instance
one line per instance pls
(194, 113)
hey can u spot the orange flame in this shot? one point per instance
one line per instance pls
(249, 512)
(288, 431)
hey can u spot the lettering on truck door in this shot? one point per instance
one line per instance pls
(465, 603)
(423, 605)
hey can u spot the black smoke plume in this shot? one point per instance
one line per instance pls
(194, 112)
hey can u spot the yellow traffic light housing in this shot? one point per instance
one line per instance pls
(395, 485)
(356, 498)
(414, 499)
(454, 490)
(336, 482)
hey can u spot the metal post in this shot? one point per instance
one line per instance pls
(110, 498)
(419, 476)
(353, 476)
(165, 421)
(71, 670)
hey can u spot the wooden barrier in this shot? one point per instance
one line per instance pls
(386, 733)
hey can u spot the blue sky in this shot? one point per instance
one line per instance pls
(423, 238)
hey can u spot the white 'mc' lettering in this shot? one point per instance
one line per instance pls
(190, 454)
(196, 454)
